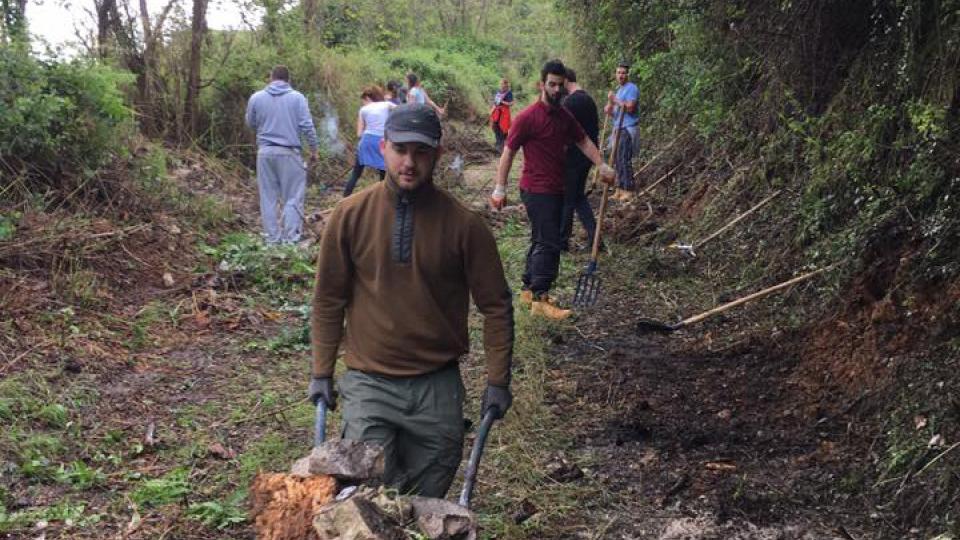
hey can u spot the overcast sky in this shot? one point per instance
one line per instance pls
(56, 20)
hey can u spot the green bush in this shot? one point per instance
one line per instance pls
(58, 119)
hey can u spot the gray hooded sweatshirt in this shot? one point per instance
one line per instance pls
(279, 114)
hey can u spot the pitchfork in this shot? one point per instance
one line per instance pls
(588, 282)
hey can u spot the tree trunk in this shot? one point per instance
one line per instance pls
(149, 90)
(105, 12)
(482, 19)
(145, 83)
(13, 27)
(198, 29)
(310, 17)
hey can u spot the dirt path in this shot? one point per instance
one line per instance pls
(685, 443)
(173, 401)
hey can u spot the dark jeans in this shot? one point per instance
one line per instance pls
(500, 137)
(574, 200)
(624, 163)
(352, 182)
(545, 213)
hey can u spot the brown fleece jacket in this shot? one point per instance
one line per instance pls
(401, 268)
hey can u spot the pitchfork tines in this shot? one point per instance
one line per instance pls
(588, 287)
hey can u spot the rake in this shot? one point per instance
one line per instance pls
(588, 282)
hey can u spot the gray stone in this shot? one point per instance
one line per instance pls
(356, 518)
(343, 459)
(439, 519)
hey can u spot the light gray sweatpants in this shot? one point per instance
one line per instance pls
(282, 179)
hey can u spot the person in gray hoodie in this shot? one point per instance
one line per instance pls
(280, 116)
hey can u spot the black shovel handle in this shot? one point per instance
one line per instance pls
(320, 423)
(473, 465)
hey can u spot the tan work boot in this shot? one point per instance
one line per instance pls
(526, 297)
(545, 307)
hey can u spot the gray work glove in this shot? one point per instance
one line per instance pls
(322, 388)
(498, 397)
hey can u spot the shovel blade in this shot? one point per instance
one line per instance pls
(588, 290)
(649, 325)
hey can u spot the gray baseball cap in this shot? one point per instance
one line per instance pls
(414, 122)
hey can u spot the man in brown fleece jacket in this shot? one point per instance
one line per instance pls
(399, 262)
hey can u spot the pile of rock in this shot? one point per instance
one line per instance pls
(332, 494)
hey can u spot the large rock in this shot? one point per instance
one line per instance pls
(356, 518)
(440, 519)
(351, 461)
(367, 514)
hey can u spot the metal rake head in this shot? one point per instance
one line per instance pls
(588, 290)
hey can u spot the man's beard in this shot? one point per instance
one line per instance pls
(426, 179)
(554, 99)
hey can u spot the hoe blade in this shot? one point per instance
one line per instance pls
(588, 290)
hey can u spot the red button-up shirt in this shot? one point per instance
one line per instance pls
(544, 132)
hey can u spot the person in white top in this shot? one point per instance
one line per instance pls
(416, 94)
(371, 120)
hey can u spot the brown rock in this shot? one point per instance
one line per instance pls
(346, 460)
(221, 451)
(524, 511)
(283, 506)
(561, 470)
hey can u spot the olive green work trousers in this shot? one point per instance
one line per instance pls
(418, 421)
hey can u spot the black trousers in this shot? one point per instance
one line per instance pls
(545, 213)
(574, 200)
(499, 136)
(352, 182)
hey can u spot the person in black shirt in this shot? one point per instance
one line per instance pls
(579, 103)
(396, 93)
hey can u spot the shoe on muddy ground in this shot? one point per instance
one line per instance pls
(544, 307)
(526, 297)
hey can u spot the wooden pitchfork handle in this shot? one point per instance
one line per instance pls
(603, 137)
(595, 252)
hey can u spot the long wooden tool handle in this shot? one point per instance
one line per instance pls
(661, 179)
(603, 135)
(595, 252)
(658, 154)
(737, 219)
(754, 296)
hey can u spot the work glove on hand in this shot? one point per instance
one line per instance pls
(498, 397)
(499, 198)
(607, 174)
(322, 388)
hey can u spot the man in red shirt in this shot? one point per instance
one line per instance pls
(544, 130)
